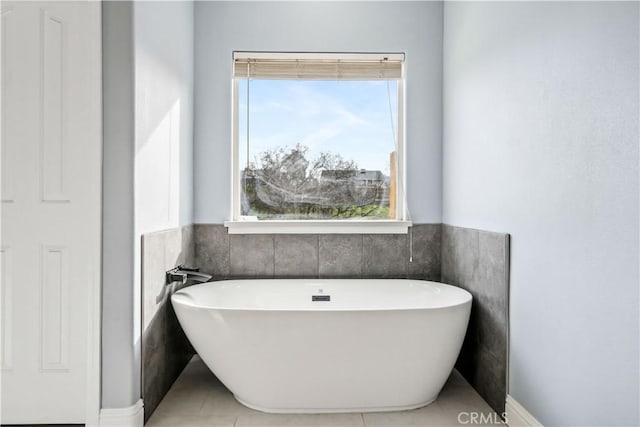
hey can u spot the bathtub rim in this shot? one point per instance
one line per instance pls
(179, 297)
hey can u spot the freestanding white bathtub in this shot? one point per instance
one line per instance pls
(312, 346)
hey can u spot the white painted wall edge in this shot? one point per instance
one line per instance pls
(131, 416)
(94, 291)
(94, 338)
(518, 416)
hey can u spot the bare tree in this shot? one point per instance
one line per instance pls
(287, 183)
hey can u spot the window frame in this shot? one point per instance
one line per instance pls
(238, 225)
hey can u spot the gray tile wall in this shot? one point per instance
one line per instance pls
(165, 348)
(478, 261)
(161, 251)
(312, 255)
(475, 260)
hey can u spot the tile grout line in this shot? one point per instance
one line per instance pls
(364, 423)
(317, 256)
(203, 403)
(362, 256)
(273, 260)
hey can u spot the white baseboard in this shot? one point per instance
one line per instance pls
(518, 416)
(131, 416)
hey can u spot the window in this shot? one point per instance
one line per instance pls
(317, 142)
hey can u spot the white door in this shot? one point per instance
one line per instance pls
(51, 201)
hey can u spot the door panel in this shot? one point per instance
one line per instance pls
(51, 195)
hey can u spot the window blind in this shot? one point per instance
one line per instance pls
(340, 67)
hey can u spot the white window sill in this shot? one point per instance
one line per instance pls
(318, 227)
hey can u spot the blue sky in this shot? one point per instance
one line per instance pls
(351, 118)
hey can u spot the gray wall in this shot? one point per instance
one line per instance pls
(541, 140)
(478, 261)
(411, 27)
(120, 385)
(165, 348)
(311, 255)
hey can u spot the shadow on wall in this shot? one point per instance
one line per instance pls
(164, 65)
(163, 99)
(158, 172)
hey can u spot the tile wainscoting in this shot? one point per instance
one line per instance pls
(318, 255)
(475, 260)
(478, 261)
(165, 348)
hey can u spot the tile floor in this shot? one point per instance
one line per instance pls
(198, 399)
